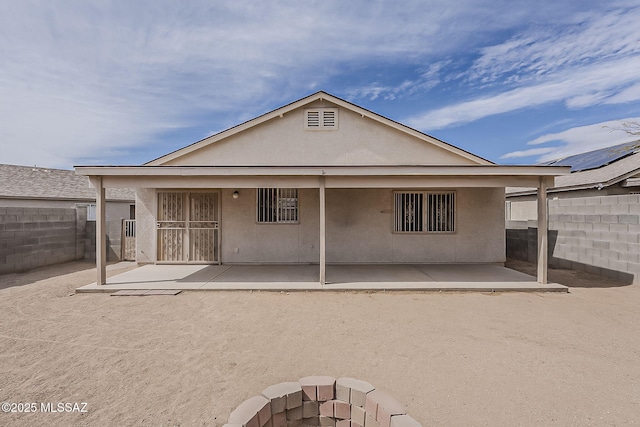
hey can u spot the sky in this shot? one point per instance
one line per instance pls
(86, 82)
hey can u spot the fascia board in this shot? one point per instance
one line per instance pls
(467, 170)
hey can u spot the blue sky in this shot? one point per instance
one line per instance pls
(122, 82)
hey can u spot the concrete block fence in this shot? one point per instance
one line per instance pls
(34, 237)
(321, 401)
(596, 234)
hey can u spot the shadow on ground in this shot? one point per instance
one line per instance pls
(566, 277)
(42, 273)
(573, 278)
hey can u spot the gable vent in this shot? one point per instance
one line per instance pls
(321, 119)
(329, 119)
(313, 119)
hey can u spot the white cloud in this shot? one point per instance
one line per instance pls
(86, 81)
(592, 84)
(430, 77)
(528, 153)
(595, 62)
(630, 94)
(576, 140)
(591, 37)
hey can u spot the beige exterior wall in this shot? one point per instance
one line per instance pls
(146, 214)
(244, 240)
(283, 141)
(359, 230)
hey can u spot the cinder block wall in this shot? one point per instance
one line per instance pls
(599, 234)
(34, 237)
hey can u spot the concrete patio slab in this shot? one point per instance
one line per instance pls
(473, 273)
(376, 273)
(269, 273)
(163, 276)
(392, 277)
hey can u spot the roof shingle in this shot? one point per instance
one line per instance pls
(46, 183)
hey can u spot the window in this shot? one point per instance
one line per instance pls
(440, 212)
(409, 213)
(277, 205)
(91, 212)
(419, 212)
(321, 119)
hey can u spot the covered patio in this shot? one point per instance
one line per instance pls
(339, 277)
(320, 276)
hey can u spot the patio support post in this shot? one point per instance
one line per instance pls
(322, 233)
(101, 246)
(543, 242)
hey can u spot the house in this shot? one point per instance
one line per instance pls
(593, 214)
(48, 216)
(607, 171)
(320, 181)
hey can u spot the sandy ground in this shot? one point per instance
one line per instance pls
(189, 360)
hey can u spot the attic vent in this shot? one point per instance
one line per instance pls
(321, 119)
(313, 119)
(329, 119)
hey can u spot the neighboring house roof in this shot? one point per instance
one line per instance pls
(597, 158)
(617, 163)
(26, 182)
(318, 96)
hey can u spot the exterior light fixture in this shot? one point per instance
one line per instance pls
(236, 194)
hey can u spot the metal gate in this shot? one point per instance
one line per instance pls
(128, 239)
(188, 227)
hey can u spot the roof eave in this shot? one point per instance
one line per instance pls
(382, 170)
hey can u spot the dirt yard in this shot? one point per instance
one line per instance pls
(189, 360)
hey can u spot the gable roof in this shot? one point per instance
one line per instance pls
(26, 182)
(318, 96)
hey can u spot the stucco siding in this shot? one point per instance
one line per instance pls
(246, 241)
(359, 225)
(146, 209)
(481, 232)
(283, 141)
(359, 230)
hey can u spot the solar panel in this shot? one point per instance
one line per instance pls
(597, 158)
